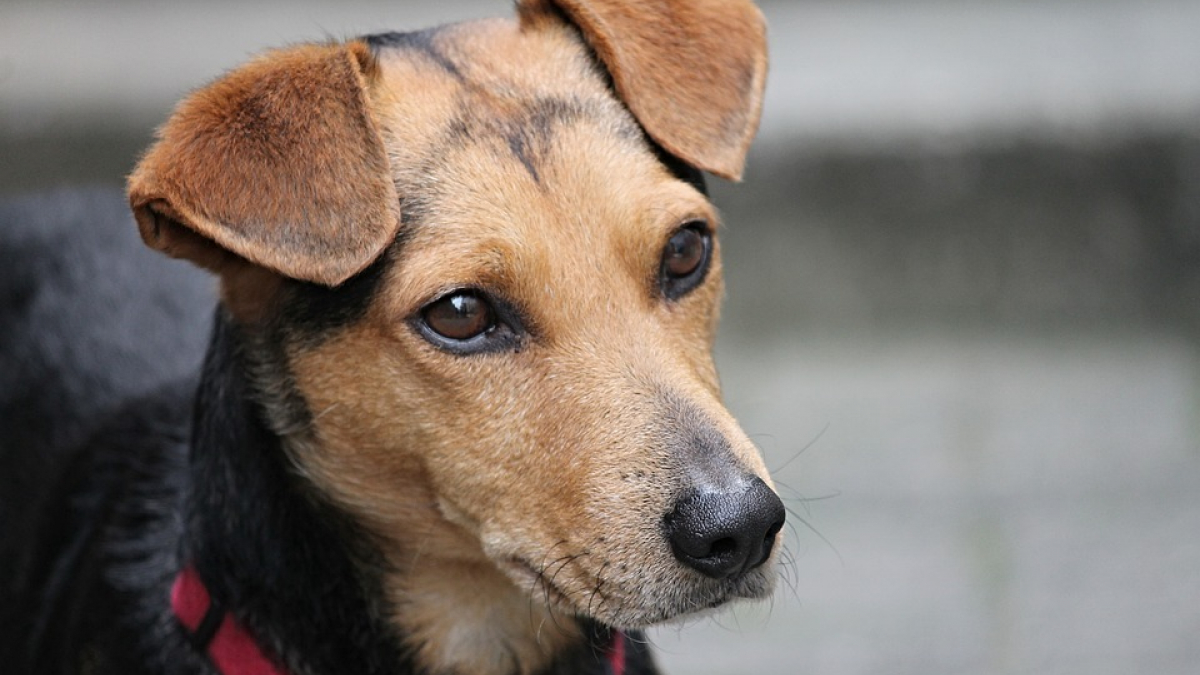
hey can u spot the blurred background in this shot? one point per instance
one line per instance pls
(963, 319)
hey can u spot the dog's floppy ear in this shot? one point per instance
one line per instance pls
(280, 163)
(691, 71)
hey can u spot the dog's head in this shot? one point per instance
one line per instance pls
(482, 278)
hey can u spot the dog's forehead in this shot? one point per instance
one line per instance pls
(506, 139)
(440, 83)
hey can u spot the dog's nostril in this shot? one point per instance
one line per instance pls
(722, 547)
(770, 538)
(722, 534)
(769, 542)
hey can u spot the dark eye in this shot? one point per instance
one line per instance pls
(685, 259)
(460, 316)
(468, 322)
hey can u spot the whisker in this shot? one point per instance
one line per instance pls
(546, 585)
(795, 495)
(811, 528)
(803, 450)
(540, 577)
(596, 590)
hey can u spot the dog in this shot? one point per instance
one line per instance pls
(457, 412)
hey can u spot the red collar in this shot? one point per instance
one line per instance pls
(616, 654)
(234, 652)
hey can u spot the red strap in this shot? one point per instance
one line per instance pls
(234, 652)
(616, 654)
(231, 649)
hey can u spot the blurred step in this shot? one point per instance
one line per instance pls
(864, 72)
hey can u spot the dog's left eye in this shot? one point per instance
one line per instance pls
(685, 259)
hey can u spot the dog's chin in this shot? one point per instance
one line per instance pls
(695, 598)
(653, 603)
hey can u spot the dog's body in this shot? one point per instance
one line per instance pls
(458, 412)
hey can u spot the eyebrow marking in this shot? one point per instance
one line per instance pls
(422, 42)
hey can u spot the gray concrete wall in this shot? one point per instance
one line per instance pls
(962, 315)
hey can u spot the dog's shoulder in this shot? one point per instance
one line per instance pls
(93, 557)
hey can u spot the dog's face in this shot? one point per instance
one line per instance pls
(516, 397)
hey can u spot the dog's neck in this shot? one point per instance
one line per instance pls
(305, 580)
(292, 568)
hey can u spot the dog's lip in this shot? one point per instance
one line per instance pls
(555, 596)
(527, 571)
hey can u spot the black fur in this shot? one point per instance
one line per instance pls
(89, 320)
(296, 571)
(681, 169)
(117, 469)
(312, 311)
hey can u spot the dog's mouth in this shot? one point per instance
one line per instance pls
(615, 604)
(538, 585)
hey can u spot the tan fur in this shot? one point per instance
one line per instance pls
(513, 491)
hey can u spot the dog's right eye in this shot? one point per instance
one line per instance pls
(460, 316)
(467, 322)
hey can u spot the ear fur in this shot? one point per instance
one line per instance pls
(279, 163)
(691, 71)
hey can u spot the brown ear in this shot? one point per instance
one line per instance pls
(279, 163)
(691, 71)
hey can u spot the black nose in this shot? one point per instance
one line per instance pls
(725, 533)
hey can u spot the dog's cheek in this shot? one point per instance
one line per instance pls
(357, 445)
(398, 429)
(516, 474)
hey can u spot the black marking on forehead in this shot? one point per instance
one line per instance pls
(527, 128)
(519, 144)
(530, 134)
(422, 41)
